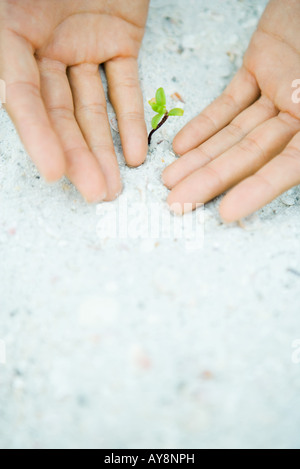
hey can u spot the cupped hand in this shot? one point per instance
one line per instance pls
(50, 56)
(249, 138)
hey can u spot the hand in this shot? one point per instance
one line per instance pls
(249, 137)
(50, 56)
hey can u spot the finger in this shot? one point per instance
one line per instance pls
(127, 99)
(243, 124)
(241, 93)
(26, 108)
(282, 173)
(90, 111)
(82, 167)
(239, 162)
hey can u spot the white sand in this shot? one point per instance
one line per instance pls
(142, 343)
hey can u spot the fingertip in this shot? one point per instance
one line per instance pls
(135, 152)
(177, 172)
(226, 215)
(187, 139)
(166, 177)
(115, 189)
(230, 208)
(175, 207)
(94, 196)
(54, 172)
(180, 207)
(134, 163)
(93, 188)
(90, 182)
(178, 145)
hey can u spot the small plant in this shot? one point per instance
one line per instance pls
(158, 105)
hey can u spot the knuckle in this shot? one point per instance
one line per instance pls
(228, 100)
(129, 82)
(72, 152)
(265, 181)
(250, 145)
(290, 121)
(60, 112)
(24, 87)
(293, 153)
(132, 116)
(248, 76)
(212, 172)
(266, 104)
(102, 148)
(235, 130)
(47, 65)
(98, 109)
(84, 69)
(208, 119)
(201, 152)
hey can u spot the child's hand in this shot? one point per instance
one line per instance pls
(249, 137)
(50, 55)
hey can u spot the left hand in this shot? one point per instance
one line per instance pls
(249, 138)
(49, 58)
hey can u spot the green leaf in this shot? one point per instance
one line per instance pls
(157, 108)
(156, 120)
(161, 97)
(176, 112)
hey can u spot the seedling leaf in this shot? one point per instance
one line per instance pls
(158, 105)
(161, 97)
(156, 120)
(176, 112)
(157, 108)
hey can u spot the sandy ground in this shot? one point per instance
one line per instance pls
(149, 342)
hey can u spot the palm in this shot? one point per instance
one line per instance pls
(248, 139)
(56, 97)
(274, 62)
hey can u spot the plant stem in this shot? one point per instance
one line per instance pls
(162, 122)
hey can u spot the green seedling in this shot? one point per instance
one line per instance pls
(158, 105)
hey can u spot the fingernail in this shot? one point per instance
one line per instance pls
(187, 207)
(97, 199)
(176, 208)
